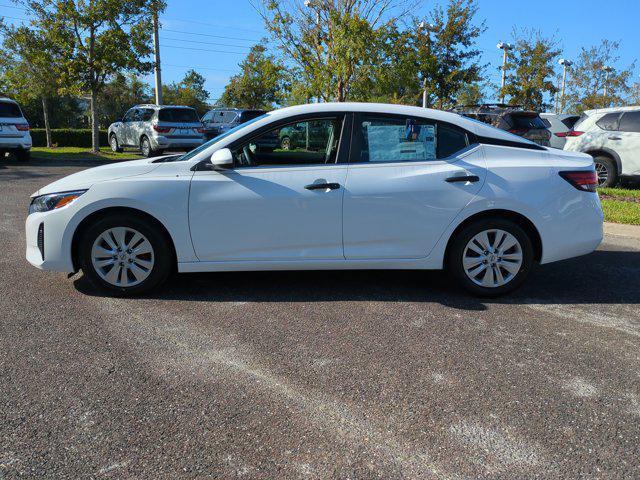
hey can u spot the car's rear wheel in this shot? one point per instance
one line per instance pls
(606, 170)
(125, 255)
(285, 143)
(113, 142)
(491, 257)
(146, 149)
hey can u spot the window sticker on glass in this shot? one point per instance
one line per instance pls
(389, 142)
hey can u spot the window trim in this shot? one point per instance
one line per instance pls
(355, 137)
(343, 143)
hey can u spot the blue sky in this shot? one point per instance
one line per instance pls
(213, 36)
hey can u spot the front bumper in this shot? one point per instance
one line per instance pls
(53, 253)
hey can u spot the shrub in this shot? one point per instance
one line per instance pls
(67, 137)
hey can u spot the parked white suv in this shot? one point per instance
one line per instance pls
(612, 137)
(14, 131)
(153, 129)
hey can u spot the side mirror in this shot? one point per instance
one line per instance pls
(222, 159)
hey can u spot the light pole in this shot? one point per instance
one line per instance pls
(427, 27)
(607, 69)
(505, 47)
(156, 53)
(565, 64)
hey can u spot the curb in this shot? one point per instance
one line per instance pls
(620, 230)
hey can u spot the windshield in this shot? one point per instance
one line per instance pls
(180, 115)
(204, 146)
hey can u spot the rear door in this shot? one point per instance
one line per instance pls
(125, 133)
(408, 179)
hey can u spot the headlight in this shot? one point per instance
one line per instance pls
(45, 203)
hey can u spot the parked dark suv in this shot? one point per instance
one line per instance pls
(511, 118)
(219, 120)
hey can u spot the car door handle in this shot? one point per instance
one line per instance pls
(323, 186)
(463, 178)
(615, 138)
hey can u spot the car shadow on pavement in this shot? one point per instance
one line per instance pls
(608, 277)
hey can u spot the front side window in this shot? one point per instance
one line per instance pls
(308, 142)
(630, 122)
(128, 117)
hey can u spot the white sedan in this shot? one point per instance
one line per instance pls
(368, 186)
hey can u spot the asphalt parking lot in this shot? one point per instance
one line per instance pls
(316, 375)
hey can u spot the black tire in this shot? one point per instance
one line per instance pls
(113, 143)
(457, 248)
(145, 148)
(23, 155)
(607, 171)
(162, 251)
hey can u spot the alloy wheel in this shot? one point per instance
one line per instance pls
(492, 258)
(603, 173)
(122, 256)
(146, 147)
(114, 143)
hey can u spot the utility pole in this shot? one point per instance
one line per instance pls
(505, 47)
(565, 64)
(156, 53)
(427, 27)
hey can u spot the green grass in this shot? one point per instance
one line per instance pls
(620, 192)
(619, 211)
(79, 153)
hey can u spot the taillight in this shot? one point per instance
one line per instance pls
(585, 180)
(518, 131)
(161, 129)
(570, 133)
(200, 130)
(22, 127)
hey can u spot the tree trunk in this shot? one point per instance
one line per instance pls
(47, 126)
(340, 96)
(95, 130)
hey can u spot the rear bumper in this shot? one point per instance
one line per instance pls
(16, 143)
(167, 143)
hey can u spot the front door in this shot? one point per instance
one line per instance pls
(408, 180)
(273, 205)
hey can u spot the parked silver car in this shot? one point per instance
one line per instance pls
(154, 129)
(559, 125)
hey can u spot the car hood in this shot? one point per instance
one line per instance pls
(86, 178)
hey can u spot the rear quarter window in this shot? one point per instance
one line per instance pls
(178, 115)
(570, 122)
(10, 110)
(609, 121)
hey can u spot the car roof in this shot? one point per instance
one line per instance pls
(560, 116)
(596, 111)
(160, 107)
(475, 126)
(5, 99)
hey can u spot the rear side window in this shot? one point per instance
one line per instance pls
(570, 122)
(179, 115)
(630, 122)
(386, 139)
(10, 110)
(609, 121)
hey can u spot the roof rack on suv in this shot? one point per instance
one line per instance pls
(487, 107)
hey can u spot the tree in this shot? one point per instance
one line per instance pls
(96, 39)
(260, 85)
(33, 72)
(120, 94)
(331, 43)
(532, 70)
(470, 94)
(190, 91)
(587, 79)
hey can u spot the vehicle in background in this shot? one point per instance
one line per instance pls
(612, 137)
(392, 187)
(309, 135)
(155, 128)
(560, 126)
(14, 131)
(220, 120)
(512, 118)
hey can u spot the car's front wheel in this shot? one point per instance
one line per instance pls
(491, 257)
(125, 255)
(115, 146)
